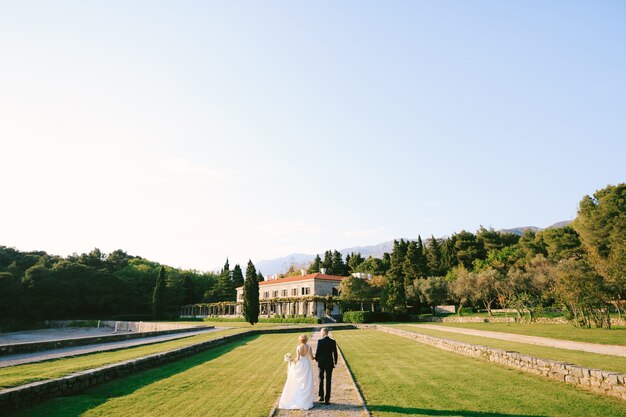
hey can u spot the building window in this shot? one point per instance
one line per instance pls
(266, 294)
(284, 293)
(305, 291)
(294, 292)
(275, 294)
(335, 291)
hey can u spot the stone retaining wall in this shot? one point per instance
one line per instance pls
(612, 384)
(14, 348)
(467, 319)
(23, 395)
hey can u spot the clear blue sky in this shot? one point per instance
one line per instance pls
(188, 131)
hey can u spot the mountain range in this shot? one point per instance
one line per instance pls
(280, 265)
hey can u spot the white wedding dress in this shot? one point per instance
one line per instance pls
(298, 391)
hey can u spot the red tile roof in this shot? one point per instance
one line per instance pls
(322, 277)
(297, 278)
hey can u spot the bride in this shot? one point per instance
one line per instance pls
(298, 391)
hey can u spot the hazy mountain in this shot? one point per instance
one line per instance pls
(279, 265)
(520, 230)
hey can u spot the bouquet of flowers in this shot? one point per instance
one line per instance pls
(287, 357)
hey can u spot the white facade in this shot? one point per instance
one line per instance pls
(277, 297)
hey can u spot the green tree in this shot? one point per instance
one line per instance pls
(225, 288)
(487, 281)
(601, 224)
(433, 257)
(10, 295)
(158, 296)
(468, 248)
(410, 266)
(448, 254)
(583, 292)
(327, 263)
(315, 266)
(251, 295)
(434, 291)
(394, 294)
(338, 265)
(354, 289)
(237, 277)
(562, 243)
(371, 265)
(353, 261)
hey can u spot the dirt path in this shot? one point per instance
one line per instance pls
(23, 358)
(533, 340)
(345, 401)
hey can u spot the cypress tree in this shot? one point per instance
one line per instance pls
(328, 262)
(433, 257)
(251, 295)
(410, 266)
(422, 264)
(315, 266)
(225, 290)
(338, 266)
(237, 277)
(158, 297)
(394, 294)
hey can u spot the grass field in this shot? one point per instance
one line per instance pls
(22, 374)
(243, 378)
(592, 360)
(615, 336)
(401, 377)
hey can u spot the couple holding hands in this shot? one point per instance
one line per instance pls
(299, 388)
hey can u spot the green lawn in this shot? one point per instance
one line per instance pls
(243, 378)
(401, 377)
(22, 374)
(615, 336)
(591, 360)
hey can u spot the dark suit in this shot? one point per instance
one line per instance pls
(326, 357)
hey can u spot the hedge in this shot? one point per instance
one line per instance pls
(372, 317)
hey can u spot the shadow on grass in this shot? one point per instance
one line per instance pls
(431, 412)
(76, 405)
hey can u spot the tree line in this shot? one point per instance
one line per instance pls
(36, 286)
(579, 268)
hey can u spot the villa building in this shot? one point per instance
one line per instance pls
(304, 295)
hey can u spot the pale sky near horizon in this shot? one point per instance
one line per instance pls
(186, 132)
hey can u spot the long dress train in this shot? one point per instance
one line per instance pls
(299, 388)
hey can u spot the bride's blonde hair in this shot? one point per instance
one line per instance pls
(303, 338)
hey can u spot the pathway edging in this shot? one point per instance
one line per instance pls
(602, 349)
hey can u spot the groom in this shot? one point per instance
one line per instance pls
(326, 357)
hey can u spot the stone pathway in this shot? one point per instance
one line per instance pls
(23, 358)
(345, 401)
(533, 340)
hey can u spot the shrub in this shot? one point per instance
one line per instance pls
(277, 319)
(357, 317)
(373, 316)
